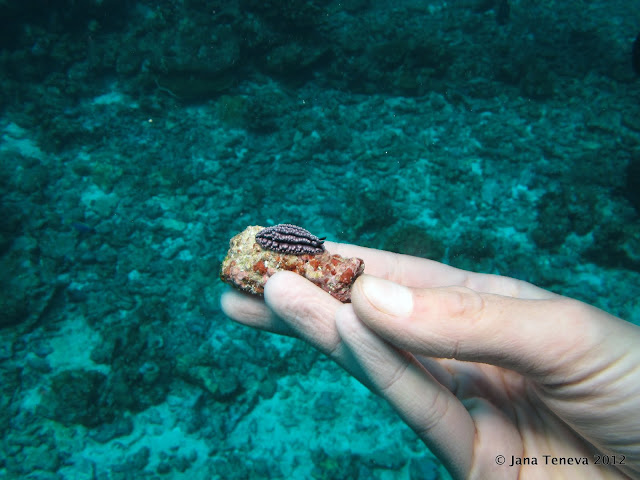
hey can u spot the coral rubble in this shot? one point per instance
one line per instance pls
(248, 266)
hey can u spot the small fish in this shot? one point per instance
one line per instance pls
(83, 228)
(502, 12)
(635, 55)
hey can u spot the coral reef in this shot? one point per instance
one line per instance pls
(134, 136)
(248, 266)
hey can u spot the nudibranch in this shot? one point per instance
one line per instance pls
(257, 253)
(287, 238)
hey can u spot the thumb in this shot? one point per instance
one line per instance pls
(545, 338)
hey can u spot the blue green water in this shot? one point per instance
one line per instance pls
(136, 138)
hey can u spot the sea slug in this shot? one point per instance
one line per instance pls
(248, 265)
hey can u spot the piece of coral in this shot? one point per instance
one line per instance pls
(248, 266)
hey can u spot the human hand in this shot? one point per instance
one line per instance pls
(481, 367)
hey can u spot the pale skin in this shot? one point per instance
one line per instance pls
(477, 365)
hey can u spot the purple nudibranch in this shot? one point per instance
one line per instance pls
(290, 239)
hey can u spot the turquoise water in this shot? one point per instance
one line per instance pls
(136, 138)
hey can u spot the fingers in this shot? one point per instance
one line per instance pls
(310, 312)
(423, 273)
(426, 406)
(252, 312)
(535, 337)
(306, 309)
(410, 271)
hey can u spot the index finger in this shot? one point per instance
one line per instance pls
(424, 273)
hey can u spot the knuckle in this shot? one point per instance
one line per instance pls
(395, 376)
(464, 303)
(573, 313)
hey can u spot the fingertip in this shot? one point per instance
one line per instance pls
(225, 304)
(243, 308)
(279, 286)
(229, 301)
(383, 296)
(276, 280)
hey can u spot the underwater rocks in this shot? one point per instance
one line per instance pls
(248, 266)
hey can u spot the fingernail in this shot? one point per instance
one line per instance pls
(388, 297)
